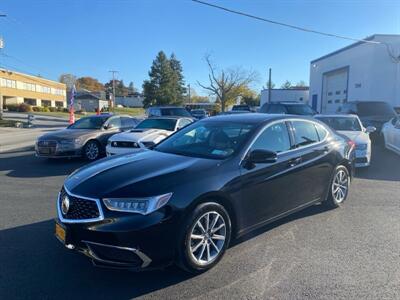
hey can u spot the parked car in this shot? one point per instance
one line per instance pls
(209, 183)
(350, 126)
(146, 134)
(371, 113)
(391, 134)
(241, 107)
(199, 113)
(87, 137)
(292, 108)
(165, 111)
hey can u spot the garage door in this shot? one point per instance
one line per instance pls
(334, 90)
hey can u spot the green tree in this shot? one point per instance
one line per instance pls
(165, 85)
(286, 85)
(131, 88)
(120, 89)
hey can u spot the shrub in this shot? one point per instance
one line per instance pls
(65, 110)
(23, 107)
(36, 108)
(12, 107)
(46, 109)
(52, 109)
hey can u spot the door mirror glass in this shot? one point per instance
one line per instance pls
(259, 156)
(370, 129)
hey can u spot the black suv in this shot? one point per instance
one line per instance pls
(292, 108)
(163, 111)
(371, 113)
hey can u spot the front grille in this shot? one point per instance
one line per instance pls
(47, 147)
(79, 208)
(125, 144)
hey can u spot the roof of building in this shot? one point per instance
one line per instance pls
(297, 88)
(32, 77)
(369, 38)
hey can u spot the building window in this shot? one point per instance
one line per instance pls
(345, 92)
(8, 83)
(337, 92)
(30, 101)
(45, 89)
(46, 103)
(29, 86)
(59, 104)
(301, 98)
(337, 101)
(329, 93)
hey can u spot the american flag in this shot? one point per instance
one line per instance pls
(71, 102)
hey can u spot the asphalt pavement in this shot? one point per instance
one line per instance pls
(24, 138)
(348, 253)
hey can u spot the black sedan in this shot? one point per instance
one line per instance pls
(87, 137)
(212, 181)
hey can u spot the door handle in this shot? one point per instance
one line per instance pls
(295, 161)
(323, 150)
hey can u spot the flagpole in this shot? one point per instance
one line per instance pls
(71, 106)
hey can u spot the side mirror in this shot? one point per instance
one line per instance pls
(259, 156)
(370, 129)
(109, 126)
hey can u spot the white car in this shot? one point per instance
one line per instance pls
(391, 134)
(351, 126)
(146, 134)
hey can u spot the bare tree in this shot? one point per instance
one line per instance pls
(226, 84)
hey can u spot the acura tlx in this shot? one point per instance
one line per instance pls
(207, 184)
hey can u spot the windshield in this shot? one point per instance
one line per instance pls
(165, 124)
(175, 111)
(374, 109)
(198, 112)
(300, 110)
(214, 140)
(342, 123)
(89, 123)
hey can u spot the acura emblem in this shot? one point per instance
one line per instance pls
(65, 205)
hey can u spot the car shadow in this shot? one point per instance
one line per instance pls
(35, 264)
(27, 165)
(385, 165)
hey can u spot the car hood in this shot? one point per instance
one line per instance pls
(66, 134)
(138, 135)
(359, 137)
(142, 174)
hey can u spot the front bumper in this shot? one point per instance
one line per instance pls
(363, 158)
(120, 150)
(56, 151)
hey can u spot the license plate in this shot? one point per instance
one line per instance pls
(60, 233)
(44, 151)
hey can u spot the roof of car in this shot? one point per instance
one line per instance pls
(253, 118)
(336, 115)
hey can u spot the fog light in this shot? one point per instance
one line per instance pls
(70, 246)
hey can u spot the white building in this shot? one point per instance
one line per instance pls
(361, 71)
(300, 94)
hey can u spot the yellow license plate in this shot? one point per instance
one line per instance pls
(60, 233)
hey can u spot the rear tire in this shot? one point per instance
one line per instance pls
(339, 187)
(91, 150)
(204, 238)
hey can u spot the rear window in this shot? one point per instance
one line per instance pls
(241, 107)
(305, 133)
(175, 111)
(300, 110)
(366, 109)
(165, 124)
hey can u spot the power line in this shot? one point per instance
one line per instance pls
(285, 24)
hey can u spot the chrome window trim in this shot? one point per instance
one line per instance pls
(291, 150)
(63, 220)
(145, 259)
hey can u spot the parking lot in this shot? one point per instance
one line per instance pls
(347, 253)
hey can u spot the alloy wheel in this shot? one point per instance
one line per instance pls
(207, 238)
(92, 151)
(340, 186)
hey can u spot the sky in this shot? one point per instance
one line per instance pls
(92, 37)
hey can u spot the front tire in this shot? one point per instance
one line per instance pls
(339, 188)
(91, 151)
(204, 238)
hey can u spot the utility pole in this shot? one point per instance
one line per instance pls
(190, 101)
(269, 86)
(1, 96)
(112, 104)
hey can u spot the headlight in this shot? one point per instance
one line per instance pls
(142, 206)
(73, 143)
(361, 147)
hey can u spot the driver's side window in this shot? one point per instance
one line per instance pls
(274, 138)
